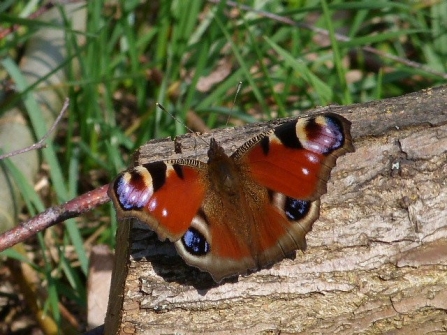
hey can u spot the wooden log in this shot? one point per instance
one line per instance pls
(376, 260)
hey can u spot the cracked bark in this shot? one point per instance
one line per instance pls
(376, 260)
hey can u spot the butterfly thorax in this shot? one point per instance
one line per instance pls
(223, 174)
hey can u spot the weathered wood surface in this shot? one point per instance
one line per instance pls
(376, 260)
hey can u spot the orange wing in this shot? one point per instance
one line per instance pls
(297, 157)
(165, 196)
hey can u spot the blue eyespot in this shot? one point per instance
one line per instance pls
(338, 137)
(195, 243)
(131, 195)
(296, 209)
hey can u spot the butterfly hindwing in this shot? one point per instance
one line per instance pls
(228, 242)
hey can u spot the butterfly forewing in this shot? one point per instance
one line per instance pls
(296, 158)
(164, 195)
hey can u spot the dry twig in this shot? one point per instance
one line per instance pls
(41, 143)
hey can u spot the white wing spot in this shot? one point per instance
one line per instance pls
(152, 205)
(145, 197)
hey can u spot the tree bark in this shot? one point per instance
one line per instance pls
(376, 260)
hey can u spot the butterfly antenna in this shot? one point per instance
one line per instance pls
(174, 117)
(178, 120)
(239, 86)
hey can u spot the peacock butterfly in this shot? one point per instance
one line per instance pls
(242, 211)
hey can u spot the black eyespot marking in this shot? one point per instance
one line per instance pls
(296, 209)
(195, 243)
(158, 174)
(202, 214)
(178, 170)
(265, 145)
(312, 127)
(287, 135)
(136, 180)
(270, 194)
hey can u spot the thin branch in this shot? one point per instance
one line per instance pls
(41, 144)
(338, 36)
(54, 215)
